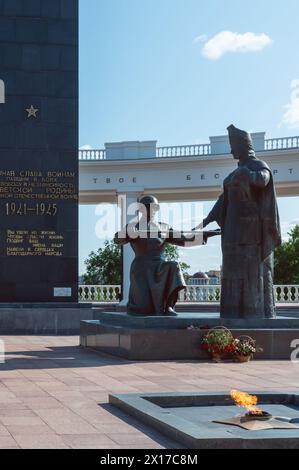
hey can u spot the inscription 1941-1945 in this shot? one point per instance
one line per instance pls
(32, 195)
(39, 155)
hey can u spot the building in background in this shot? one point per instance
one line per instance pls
(215, 277)
(211, 278)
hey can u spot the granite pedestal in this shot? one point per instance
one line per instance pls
(188, 418)
(169, 338)
(43, 319)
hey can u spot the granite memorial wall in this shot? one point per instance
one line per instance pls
(39, 151)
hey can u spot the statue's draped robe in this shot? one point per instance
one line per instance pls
(248, 216)
(154, 282)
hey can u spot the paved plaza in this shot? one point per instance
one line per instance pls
(54, 395)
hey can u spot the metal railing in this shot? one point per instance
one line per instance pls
(285, 294)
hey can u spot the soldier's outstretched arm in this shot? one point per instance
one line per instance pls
(214, 216)
(122, 238)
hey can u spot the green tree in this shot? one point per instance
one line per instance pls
(104, 266)
(287, 260)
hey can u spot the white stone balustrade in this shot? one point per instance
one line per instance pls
(184, 151)
(92, 155)
(103, 294)
(287, 294)
(284, 294)
(204, 294)
(283, 143)
(216, 146)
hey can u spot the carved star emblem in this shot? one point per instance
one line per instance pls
(32, 111)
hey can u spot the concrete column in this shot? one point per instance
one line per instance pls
(125, 200)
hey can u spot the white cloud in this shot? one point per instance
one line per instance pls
(291, 115)
(230, 42)
(86, 147)
(201, 38)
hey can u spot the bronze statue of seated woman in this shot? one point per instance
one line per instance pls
(154, 283)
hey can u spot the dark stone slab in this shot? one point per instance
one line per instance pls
(187, 418)
(50, 9)
(39, 66)
(7, 29)
(31, 57)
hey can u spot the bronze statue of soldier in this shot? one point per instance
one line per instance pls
(248, 215)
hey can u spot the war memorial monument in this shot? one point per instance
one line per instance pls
(249, 225)
(39, 193)
(39, 198)
(39, 167)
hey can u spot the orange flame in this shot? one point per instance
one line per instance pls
(246, 401)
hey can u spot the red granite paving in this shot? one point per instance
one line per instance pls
(54, 394)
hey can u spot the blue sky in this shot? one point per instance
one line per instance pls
(143, 75)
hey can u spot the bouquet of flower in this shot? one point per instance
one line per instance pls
(218, 342)
(245, 348)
